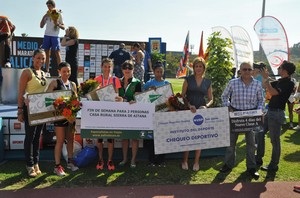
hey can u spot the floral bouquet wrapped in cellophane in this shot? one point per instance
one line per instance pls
(88, 86)
(54, 16)
(178, 102)
(68, 107)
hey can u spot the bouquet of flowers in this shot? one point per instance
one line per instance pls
(67, 107)
(178, 102)
(87, 86)
(54, 15)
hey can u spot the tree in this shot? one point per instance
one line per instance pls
(172, 60)
(219, 65)
(155, 56)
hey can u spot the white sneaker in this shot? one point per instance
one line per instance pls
(7, 64)
(31, 171)
(59, 171)
(72, 167)
(37, 169)
(297, 127)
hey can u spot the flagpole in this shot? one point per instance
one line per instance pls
(262, 15)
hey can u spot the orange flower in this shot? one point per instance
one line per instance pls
(67, 107)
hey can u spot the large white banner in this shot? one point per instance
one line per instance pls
(178, 131)
(273, 39)
(103, 119)
(242, 45)
(226, 34)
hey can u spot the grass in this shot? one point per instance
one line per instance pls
(14, 177)
(176, 84)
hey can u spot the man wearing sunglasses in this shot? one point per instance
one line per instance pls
(280, 91)
(241, 94)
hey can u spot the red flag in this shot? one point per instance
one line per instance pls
(201, 51)
(182, 70)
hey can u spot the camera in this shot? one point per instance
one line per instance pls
(259, 65)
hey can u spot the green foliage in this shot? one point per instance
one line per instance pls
(155, 56)
(172, 60)
(219, 65)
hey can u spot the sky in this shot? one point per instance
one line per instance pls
(137, 20)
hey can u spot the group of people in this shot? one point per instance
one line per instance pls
(33, 80)
(140, 57)
(131, 71)
(247, 93)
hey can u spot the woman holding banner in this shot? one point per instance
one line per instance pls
(32, 80)
(106, 79)
(196, 88)
(129, 86)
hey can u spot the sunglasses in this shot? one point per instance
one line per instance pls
(247, 69)
(127, 67)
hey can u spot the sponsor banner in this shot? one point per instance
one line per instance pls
(41, 109)
(158, 97)
(16, 142)
(273, 40)
(107, 93)
(246, 121)
(16, 127)
(119, 120)
(179, 131)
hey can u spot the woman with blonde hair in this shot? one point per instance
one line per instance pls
(70, 41)
(198, 91)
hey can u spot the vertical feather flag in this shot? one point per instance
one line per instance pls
(182, 70)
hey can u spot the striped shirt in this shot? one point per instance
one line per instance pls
(243, 97)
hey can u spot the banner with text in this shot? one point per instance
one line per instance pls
(103, 119)
(179, 131)
(159, 97)
(107, 93)
(41, 109)
(246, 121)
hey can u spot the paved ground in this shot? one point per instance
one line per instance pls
(244, 190)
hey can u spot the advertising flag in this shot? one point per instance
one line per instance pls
(243, 46)
(273, 40)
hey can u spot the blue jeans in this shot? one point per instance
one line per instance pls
(230, 154)
(272, 122)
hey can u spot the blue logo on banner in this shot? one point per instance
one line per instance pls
(198, 120)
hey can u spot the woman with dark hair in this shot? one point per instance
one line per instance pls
(32, 80)
(157, 81)
(129, 86)
(63, 129)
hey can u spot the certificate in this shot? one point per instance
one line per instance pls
(41, 109)
(178, 131)
(102, 119)
(158, 97)
(107, 93)
(246, 121)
